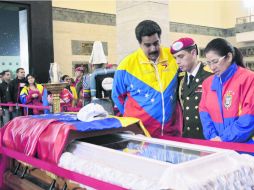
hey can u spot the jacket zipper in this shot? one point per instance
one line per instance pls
(162, 98)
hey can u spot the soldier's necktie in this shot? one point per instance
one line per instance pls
(191, 77)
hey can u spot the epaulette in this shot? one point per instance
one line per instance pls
(181, 74)
(207, 69)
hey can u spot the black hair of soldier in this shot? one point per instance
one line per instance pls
(190, 48)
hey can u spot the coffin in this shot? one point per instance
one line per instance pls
(138, 162)
(124, 158)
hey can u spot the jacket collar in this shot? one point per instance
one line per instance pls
(225, 76)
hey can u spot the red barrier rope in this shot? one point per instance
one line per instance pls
(26, 106)
(242, 147)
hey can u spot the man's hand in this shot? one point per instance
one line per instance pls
(217, 138)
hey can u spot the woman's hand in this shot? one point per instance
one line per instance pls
(34, 95)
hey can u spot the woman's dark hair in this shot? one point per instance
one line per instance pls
(223, 47)
(147, 28)
(63, 77)
(28, 75)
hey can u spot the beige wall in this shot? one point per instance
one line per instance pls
(64, 32)
(214, 13)
(205, 13)
(231, 10)
(104, 6)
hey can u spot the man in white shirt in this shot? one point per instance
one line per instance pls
(190, 84)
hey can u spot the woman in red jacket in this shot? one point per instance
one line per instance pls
(227, 103)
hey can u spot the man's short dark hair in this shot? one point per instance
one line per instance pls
(147, 28)
(18, 69)
(189, 49)
(6, 71)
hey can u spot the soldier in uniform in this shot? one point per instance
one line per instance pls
(190, 84)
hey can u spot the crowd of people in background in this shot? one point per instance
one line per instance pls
(168, 89)
(24, 89)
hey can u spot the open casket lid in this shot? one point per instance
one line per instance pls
(138, 162)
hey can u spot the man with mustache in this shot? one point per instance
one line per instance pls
(145, 84)
(190, 89)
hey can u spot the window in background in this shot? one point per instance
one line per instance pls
(13, 37)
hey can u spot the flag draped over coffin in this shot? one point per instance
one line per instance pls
(45, 136)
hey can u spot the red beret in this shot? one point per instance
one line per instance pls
(181, 44)
(79, 69)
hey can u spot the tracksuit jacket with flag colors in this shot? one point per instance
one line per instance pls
(227, 105)
(148, 91)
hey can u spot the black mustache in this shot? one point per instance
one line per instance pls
(154, 53)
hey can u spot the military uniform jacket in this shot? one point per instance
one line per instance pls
(190, 96)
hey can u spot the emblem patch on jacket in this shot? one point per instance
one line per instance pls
(228, 99)
(165, 65)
